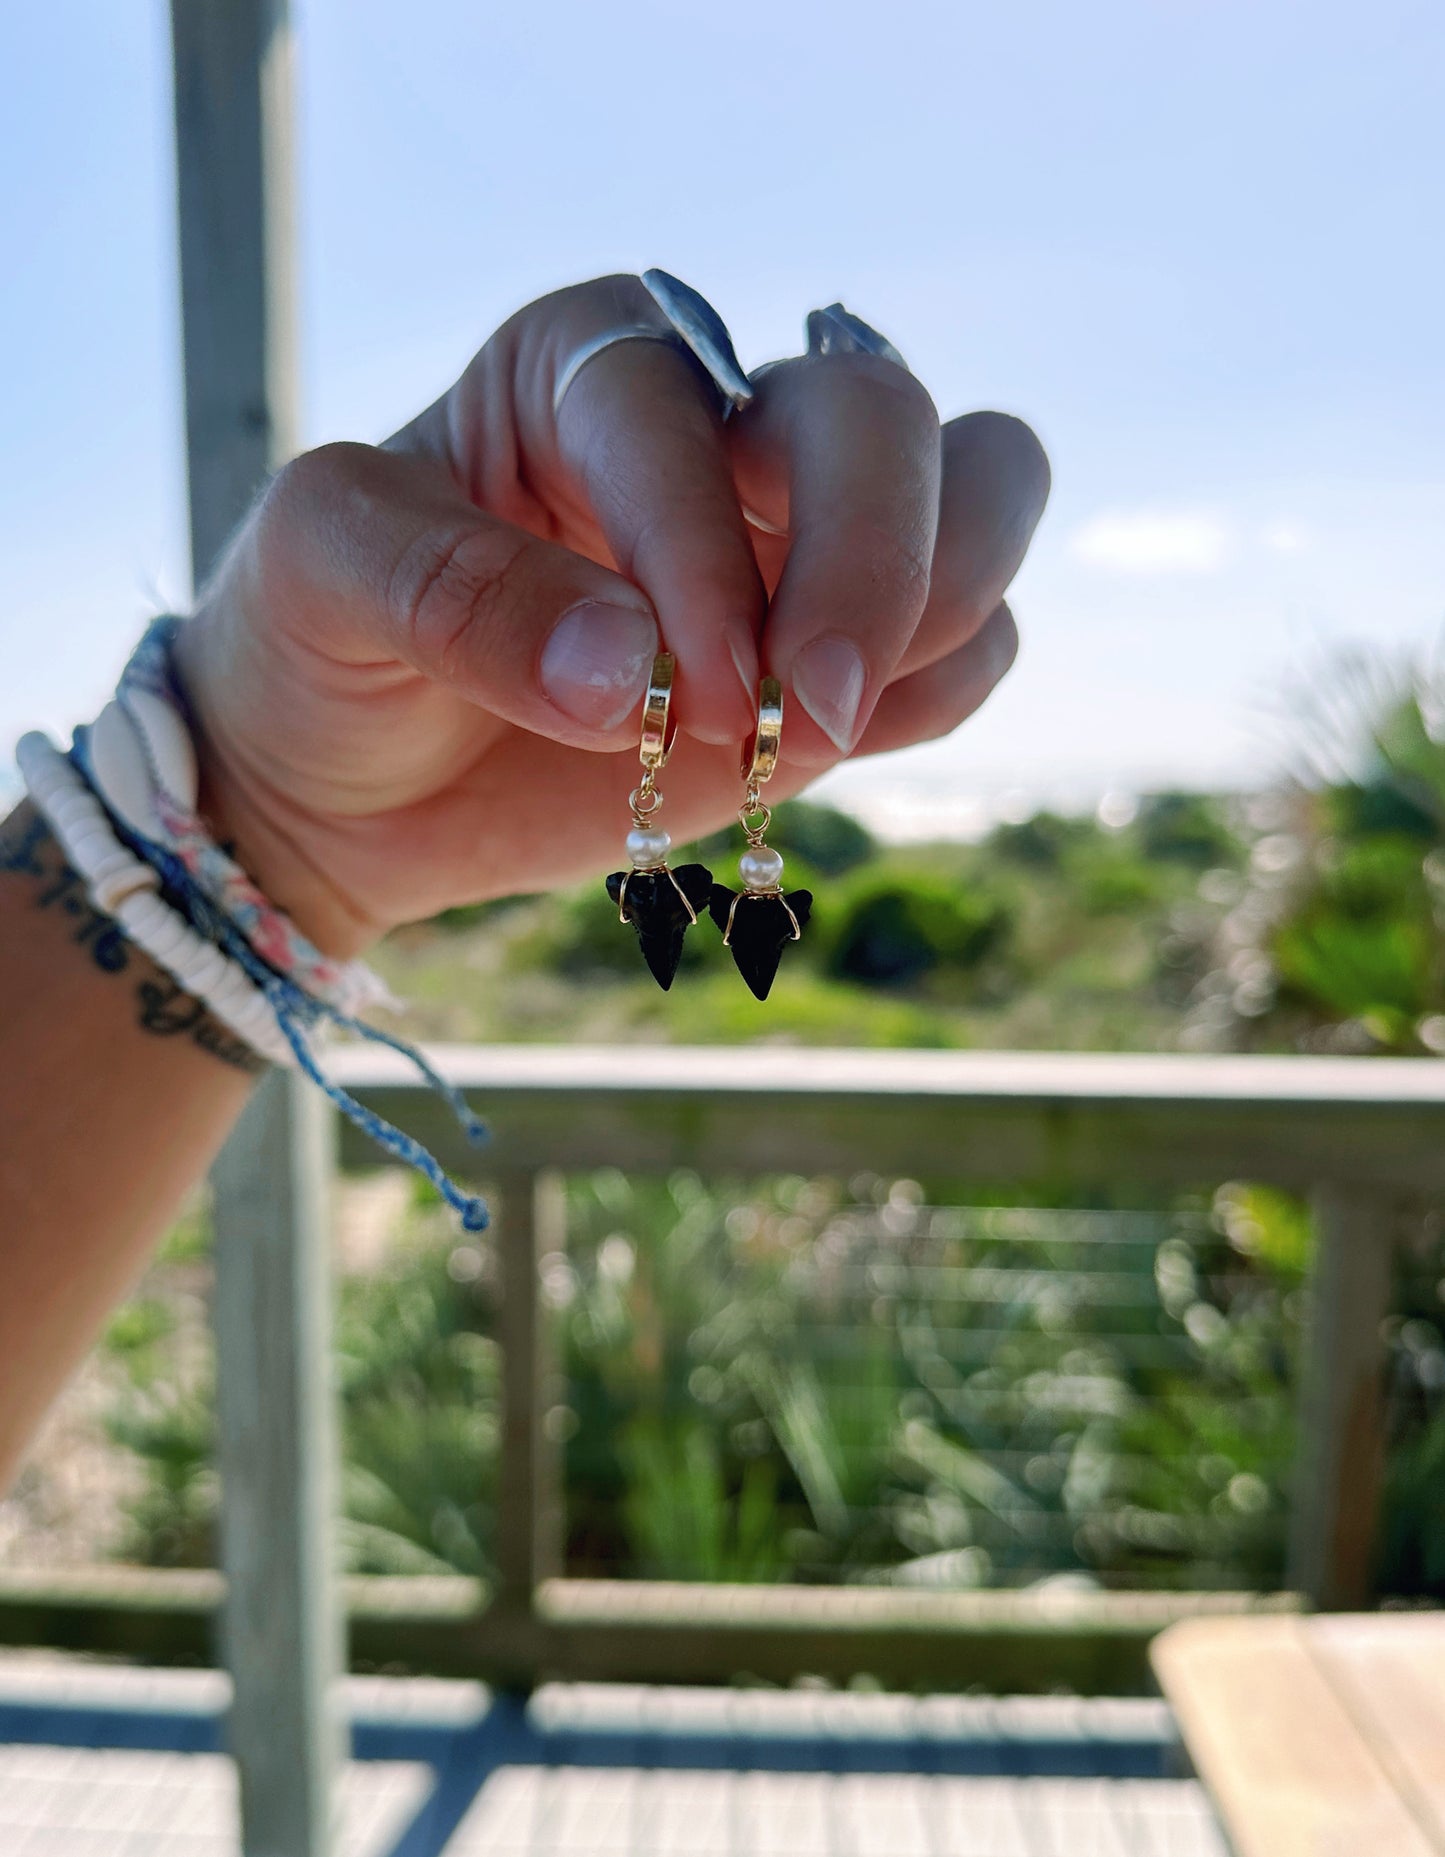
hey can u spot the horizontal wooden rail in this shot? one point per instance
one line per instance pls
(651, 1631)
(1086, 1119)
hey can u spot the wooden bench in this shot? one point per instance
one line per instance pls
(1315, 1737)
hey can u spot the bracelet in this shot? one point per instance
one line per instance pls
(139, 757)
(129, 829)
(123, 887)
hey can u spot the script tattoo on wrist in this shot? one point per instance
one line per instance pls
(28, 850)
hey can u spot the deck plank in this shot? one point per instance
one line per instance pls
(590, 1783)
(136, 1803)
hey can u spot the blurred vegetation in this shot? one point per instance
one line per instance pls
(801, 1379)
(1336, 943)
(817, 1380)
(1050, 932)
(874, 1380)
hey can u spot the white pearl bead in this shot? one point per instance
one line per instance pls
(761, 869)
(647, 846)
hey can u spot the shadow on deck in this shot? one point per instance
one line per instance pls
(96, 1754)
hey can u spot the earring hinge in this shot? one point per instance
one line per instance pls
(657, 737)
(760, 761)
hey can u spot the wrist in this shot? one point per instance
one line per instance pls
(259, 826)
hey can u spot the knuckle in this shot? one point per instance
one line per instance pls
(1004, 444)
(879, 378)
(315, 478)
(899, 566)
(312, 493)
(445, 582)
(691, 517)
(621, 294)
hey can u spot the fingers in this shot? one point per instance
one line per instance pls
(892, 542)
(630, 466)
(845, 450)
(380, 557)
(640, 430)
(932, 702)
(995, 486)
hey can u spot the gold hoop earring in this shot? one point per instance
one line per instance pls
(759, 921)
(661, 904)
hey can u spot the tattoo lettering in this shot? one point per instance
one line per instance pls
(20, 846)
(166, 1010)
(169, 1012)
(28, 850)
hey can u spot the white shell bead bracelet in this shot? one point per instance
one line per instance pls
(124, 887)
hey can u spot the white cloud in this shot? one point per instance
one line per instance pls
(1285, 538)
(1154, 542)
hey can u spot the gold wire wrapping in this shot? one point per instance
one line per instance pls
(740, 896)
(754, 816)
(653, 750)
(671, 877)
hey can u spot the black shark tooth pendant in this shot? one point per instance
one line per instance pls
(757, 926)
(653, 902)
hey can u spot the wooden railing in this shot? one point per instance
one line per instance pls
(1365, 1140)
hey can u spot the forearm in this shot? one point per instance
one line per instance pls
(115, 1093)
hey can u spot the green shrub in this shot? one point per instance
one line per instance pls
(892, 930)
(420, 1396)
(1185, 828)
(821, 837)
(1041, 842)
(1360, 942)
(806, 1007)
(1117, 886)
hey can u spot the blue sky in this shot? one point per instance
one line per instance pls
(1196, 242)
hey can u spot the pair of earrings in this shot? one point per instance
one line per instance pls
(662, 904)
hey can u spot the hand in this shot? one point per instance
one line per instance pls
(417, 671)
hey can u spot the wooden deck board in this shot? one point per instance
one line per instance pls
(93, 1801)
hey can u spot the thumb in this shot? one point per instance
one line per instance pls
(381, 554)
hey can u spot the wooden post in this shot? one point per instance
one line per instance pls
(1340, 1458)
(531, 1221)
(233, 162)
(276, 1449)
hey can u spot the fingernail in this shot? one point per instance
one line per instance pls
(829, 677)
(745, 663)
(720, 717)
(594, 666)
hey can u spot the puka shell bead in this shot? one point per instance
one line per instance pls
(126, 747)
(647, 846)
(761, 868)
